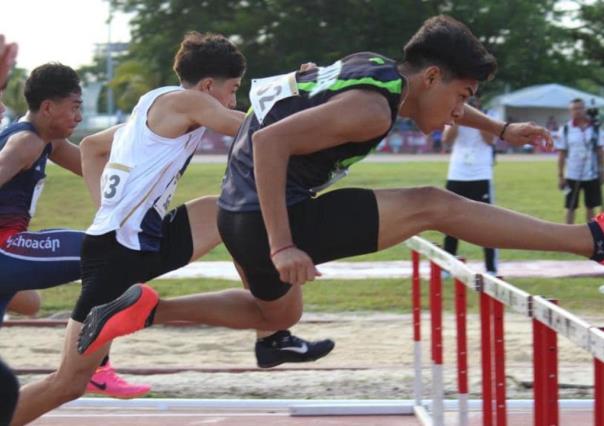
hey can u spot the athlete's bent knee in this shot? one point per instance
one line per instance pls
(283, 319)
(68, 388)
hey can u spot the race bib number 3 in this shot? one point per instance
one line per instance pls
(113, 182)
(266, 92)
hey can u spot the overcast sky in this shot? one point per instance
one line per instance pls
(59, 30)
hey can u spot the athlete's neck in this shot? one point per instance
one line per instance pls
(43, 128)
(408, 105)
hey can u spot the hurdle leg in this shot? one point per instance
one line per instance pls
(486, 359)
(599, 392)
(462, 351)
(437, 349)
(500, 382)
(417, 339)
(545, 367)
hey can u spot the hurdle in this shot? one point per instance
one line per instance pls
(495, 295)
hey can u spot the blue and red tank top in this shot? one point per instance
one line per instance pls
(19, 196)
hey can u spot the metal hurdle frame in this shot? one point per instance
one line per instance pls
(495, 294)
(548, 320)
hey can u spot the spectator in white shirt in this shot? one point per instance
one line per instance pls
(579, 144)
(471, 174)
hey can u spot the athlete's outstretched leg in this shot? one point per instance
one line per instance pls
(66, 384)
(140, 305)
(406, 212)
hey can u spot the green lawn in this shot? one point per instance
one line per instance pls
(528, 187)
(576, 294)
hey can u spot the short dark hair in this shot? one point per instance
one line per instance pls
(577, 100)
(50, 81)
(207, 55)
(450, 45)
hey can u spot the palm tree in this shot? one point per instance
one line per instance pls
(132, 80)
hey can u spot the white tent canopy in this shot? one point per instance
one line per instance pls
(538, 103)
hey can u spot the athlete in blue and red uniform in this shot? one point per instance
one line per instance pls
(9, 386)
(32, 260)
(36, 260)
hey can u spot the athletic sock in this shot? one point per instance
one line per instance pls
(150, 318)
(104, 361)
(598, 236)
(276, 336)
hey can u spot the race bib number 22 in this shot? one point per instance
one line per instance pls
(266, 92)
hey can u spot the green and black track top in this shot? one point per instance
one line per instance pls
(310, 173)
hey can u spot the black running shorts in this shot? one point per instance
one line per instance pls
(477, 190)
(592, 193)
(338, 224)
(109, 268)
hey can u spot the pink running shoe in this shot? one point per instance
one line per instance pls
(105, 381)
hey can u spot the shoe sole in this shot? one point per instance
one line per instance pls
(276, 363)
(112, 395)
(100, 319)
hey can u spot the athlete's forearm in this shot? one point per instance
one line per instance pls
(93, 163)
(204, 110)
(270, 168)
(94, 151)
(450, 134)
(234, 122)
(475, 118)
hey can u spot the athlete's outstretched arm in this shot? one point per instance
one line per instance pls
(19, 153)
(516, 134)
(94, 151)
(67, 155)
(8, 55)
(353, 116)
(450, 134)
(203, 110)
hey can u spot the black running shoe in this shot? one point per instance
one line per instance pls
(284, 347)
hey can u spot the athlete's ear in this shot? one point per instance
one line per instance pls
(46, 106)
(430, 75)
(205, 84)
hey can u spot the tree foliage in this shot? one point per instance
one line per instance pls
(590, 34)
(13, 95)
(278, 35)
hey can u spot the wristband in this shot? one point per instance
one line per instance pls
(282, 249)
(505, 126)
